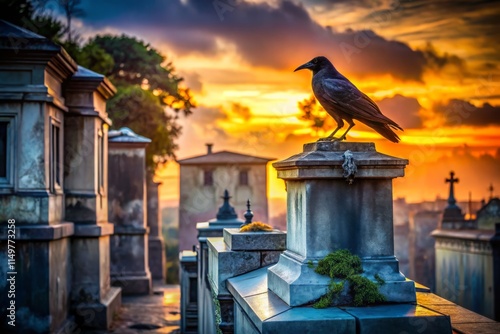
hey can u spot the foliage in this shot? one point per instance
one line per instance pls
(147, 89)
(94, 57)
(340, 264)
(16, 11)
(137, 63)
(256, 227)
(364, 291)
(140, 110)
(312, 111)
(344, 266)
(150, 93)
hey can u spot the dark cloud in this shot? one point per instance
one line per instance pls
(240, 110)
(443, 62)
(281, 36)
(458, 112)
(403, 110)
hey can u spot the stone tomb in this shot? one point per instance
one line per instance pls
(156, 244)
(326, 213)
(93, 299)
(32, 116)
(128, 211)
(226, 218)
(339, 196)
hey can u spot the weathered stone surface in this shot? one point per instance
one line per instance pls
(227, 218)
(40, 232)
(128, 211)
(224, 263)
(327, 159)
(261, 311)
(325, 213)
(255, 241)
(42, 285)
(156, 252)
(468, 260)
(396, 319)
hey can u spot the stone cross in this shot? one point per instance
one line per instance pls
(451, 181)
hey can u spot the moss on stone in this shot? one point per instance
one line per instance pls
(345, 266)
(364, 291)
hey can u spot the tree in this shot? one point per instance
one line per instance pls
(71, 9)
(150, 95)
(313, 112)
(139, 110)
(16, 11)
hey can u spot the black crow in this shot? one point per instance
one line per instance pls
(344, 101)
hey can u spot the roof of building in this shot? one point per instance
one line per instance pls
(126, 135)
(8, 29)
(224, 157)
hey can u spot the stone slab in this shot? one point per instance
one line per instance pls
(430, 299)
(40, 232)
(341, 146)
(130, 230)
(252, 283)
(478, 328)
(91, 230)
(133, 285)
(326, 159)
(310, 320)
(236, 240)
(100, 315)
(188, 256)
(460, 315)
(397, 319)
(267, 313)
(224, 263)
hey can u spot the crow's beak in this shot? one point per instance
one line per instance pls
(308, 65)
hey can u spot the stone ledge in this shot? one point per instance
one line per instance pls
(254, 241)
(260, 308)
(40, 232)
(339, 146)
(130, 230)
(97, 230)
(188, 256)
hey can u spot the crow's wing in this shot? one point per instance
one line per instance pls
(350, 100)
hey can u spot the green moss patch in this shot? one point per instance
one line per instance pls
(344, 266)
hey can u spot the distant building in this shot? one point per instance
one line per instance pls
(203, 180)
(468, 258)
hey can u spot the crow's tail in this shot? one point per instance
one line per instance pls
(384, 130)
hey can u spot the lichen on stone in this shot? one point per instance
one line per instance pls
(256, 227)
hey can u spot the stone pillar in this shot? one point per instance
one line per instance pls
(128, 211)
(188, 277)
(234, 254)
(327, 211)
(32, 222)
(155, 238)
(93, 299)
(226, 218)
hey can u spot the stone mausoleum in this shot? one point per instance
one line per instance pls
(59, 227)
(203, 180)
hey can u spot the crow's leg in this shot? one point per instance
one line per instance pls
(351, 124)
(340, 124)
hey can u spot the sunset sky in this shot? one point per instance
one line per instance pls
(431, 66)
